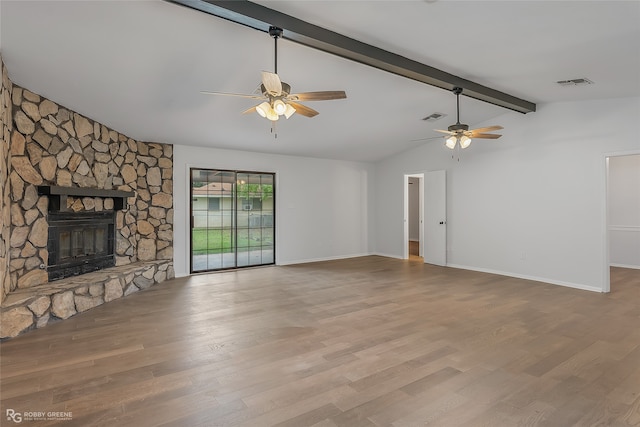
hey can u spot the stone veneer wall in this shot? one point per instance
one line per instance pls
(51, 145)
(6, 125)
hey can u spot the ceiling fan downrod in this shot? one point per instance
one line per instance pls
(457, 91)
(276, 33)
(458, 126)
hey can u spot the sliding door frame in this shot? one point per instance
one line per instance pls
(236, 172)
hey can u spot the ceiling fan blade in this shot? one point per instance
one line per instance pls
(272, 83)
(326, 95)
(258, 90)
(241, 95)
(250, 110)
(425, 139)
(483, 135)
(487, 129)
(303, 109)
(448, 132)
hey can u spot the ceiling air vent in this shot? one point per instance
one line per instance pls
(575, 82)
(433, 117)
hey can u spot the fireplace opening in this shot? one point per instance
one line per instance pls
(80, 242)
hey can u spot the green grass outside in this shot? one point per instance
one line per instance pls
(215, 241)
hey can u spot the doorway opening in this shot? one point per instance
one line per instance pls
(232, 219)
(413, 222)
(432, 227)
(622, 224)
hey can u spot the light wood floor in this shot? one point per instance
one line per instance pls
(414, 251)
(367, 341)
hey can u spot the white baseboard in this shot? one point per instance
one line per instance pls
(301, 261)
(332, 258)
(636, 267)
(386, 255)
(462, 267)
(527, 277)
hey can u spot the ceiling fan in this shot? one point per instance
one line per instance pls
(276, 94)
(461, 134)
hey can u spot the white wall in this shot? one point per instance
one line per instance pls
(322, 206)
(531, 204)
(624, 211)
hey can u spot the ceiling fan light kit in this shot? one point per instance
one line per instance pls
(276, 94)
(267, 111)
(279, 107)
(459, 133)
(289, 110)
(451, 142)
(463, 140)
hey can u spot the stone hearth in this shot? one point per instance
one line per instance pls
(26, 309)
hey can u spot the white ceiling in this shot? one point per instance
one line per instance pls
(138, 67)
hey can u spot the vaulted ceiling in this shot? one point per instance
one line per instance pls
(139, 67)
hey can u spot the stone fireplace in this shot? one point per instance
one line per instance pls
(87, 212)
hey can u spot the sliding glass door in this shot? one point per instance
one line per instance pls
(232, 219)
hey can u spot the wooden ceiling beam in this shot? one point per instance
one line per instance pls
(261, 18)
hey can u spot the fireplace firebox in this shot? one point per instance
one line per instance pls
(80, 242)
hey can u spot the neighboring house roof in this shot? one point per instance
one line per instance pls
(220, 189)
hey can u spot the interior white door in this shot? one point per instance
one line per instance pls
(435, 217)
